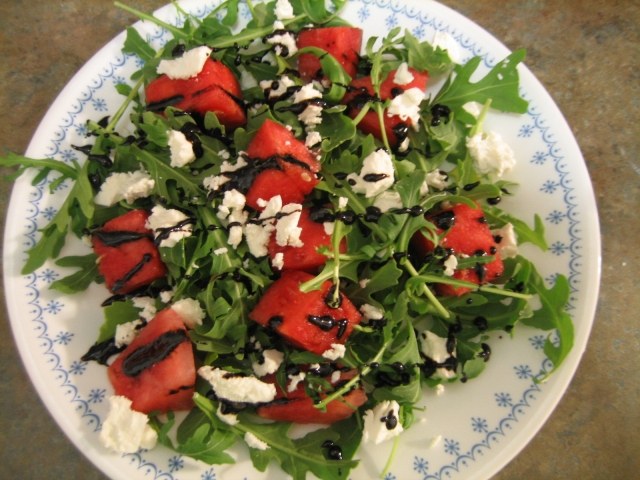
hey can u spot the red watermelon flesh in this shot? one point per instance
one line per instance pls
(157, 370)
(343, 43)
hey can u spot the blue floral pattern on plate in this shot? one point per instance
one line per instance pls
(508, 398)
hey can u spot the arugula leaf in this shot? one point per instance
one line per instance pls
(80, 280)
(500, 86)
(134, 44)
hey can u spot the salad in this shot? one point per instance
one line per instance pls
(295, 230)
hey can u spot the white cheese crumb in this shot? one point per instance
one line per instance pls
(220, 251)
(437, 179)
(166, 295)
(254, 442)
(287, 230)
(407, 106)
(214, 182)
(450, 265)
(126, 332)
(508, 244)
(283, 10)
(277, 88)
(369, 312)
(125, 430)
(227, 167)
(127, 186)
(336, 351)
(190, 311)
(271, 362)
(311, 115)
(237, 388)
(343, 202)
(328, 227)
(376, 176)
(181, 149)
(335, 377)
(435, 348)
(491, 154)
(364, 282)
(388, 200)
(278, 261)
(228, 418)
(313, 138)
(188, 65)
(147, 305)
(294, 380)
(285, 44)
(306, 92)
(378, 420)
(403, 76)
(169, 220)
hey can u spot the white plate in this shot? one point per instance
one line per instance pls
(472, 430)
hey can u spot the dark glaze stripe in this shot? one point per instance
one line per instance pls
(163, 233)
(102, 351)
(160, 105)
(148, 355)
(118, 237)
(119, 284)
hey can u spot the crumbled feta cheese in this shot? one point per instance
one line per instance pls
(147, 305)
(190, 311)
(335, 377)
(437, 179)
(404, 146)
(127, 186)
(407, 106)
(188, 65)
(220, 251)
(125, 430)
(228, 418)
(507, 241)
(311, 115)
(403, 76)
(166, 295)
(284, 42)
(287, 230)
(257, 237)
(237, 388)
(254, 442)
(382, 422)
(364, 282)
(214, 182)
(278, 261)
(450, 265)
(277, 88)
(294, 380)
(181, 149)
(446, 42)
(313, 139)
(343, 202)
(170, 225)
(306, 92)
(388, 200)
(271, 362)
(369, 312)
(491, 154)
(227, 167)
(336, 351)
(435, 348)
(376, 176)
(329, 227)
(232, 200)
(126, 332)
(283, 10)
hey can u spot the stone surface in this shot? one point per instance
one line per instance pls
(586, 53)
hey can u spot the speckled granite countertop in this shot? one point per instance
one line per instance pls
(587, 55)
